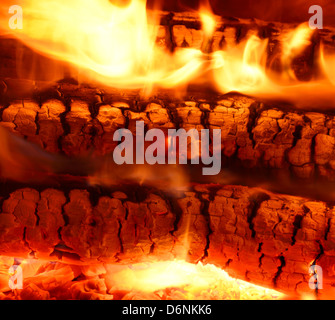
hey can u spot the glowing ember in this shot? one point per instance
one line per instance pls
(171, 280)
(182, 280)
(118, 46)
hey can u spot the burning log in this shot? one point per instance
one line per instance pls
(254, 134)
(261, 236)
(156, 281)
(265, 238)
(176, 31)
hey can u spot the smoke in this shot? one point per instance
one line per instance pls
(24, 162)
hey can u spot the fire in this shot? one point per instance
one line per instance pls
(112, 44)
(293, 44)
(242, 67)
(187, 281)
(168, 280)
(207, 18)
(328, 65)
(208, 23)
(117, 46)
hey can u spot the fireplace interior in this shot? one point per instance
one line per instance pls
(74, 224)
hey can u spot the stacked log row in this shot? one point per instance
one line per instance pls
(266, 238)
(254, 135)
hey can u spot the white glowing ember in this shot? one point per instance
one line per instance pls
(169, 280)
(186, 281)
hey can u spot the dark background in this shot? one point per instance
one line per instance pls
(271, 10)
(275, 10)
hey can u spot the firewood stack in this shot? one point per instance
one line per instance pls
(267, 223)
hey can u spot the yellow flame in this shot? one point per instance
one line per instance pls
(118, 47)
(115, 43)
(194, 281)
(295, 41)
(242, 68)
(328, 65)
(175, 279)
(293, 44)
(208, 23)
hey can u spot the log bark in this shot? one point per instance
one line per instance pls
(263, 237)
(266, 238)
(255, 135)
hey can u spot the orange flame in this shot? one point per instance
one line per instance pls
(328, 65)
(207, 18)
(113, 44)
(293, 44)
(117, 45)
(166, 280)
(242, 67)
(190, 281)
